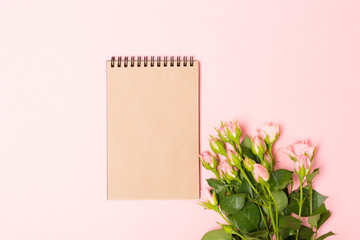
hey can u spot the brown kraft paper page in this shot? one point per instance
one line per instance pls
(153, 131)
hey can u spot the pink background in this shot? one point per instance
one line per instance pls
(296, 63)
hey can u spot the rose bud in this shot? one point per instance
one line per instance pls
(229, 147)
(208, 199)
(233, 157)
(234, 131)
(258, 146)
(300, 148)
(217, 146)
(226, 171)
(270, 133)
(222, 133)
(208, 160)
(227, 228)
(222, 158)
(260, 173)
(302, 165)
(249, 164)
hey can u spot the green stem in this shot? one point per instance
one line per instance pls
(271, 157)
(259, 203)
(247, 179)
(315, 234)
(242, 237)
(311, 205)
(311, 208)
(273, 222)
(222, 215)
(251, 185)
(276, 209)
(261, 156)
(216, 173)
(300, 204)
(264, 219)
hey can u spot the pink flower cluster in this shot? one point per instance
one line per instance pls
(238, 159)
(227, 153)
(225, 150)
(302, 152)
(227, 157)
(266, 135)
(260, 173)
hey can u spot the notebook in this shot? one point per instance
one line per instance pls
(152, 128)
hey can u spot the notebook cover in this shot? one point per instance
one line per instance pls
(153, 131)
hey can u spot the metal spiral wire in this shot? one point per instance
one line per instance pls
(158, 62)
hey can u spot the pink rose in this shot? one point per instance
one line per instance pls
(229, 147)
(207, 157)
(217, 145)
(260, 173)
(222, 130)
(226, 171)
(249, 164)
(222, 158)
(234, 131)
(208, 160)
(270, 133)
(258, 145)
(302, 165)
(300, 148)
(222, 133)
(232, 128)
(233, 157)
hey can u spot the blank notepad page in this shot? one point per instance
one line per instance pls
(153, 128)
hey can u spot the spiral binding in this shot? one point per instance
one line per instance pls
(158, 62)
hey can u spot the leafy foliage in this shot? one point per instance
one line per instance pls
(280, 179)
(247, 219)
(262, 204)
(232, 203)
(216, 235)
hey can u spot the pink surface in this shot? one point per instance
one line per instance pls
(296, 63)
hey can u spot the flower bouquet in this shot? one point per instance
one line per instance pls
(256, 200)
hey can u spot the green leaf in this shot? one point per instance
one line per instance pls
(279, 179)
(232, 203)
(243, 187)
(290, 222)
(310, 177)
(215, 183)
(246, 148)
(246, 143)
(284, 232)
(325, 235)
(317, 201)
(262, 233)
(248, 218)
(323, 217)
(313, 220)
(219, 186)
(320, 210)
(281, 200)
(219, 234)
(315, 217)
(305, 232)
